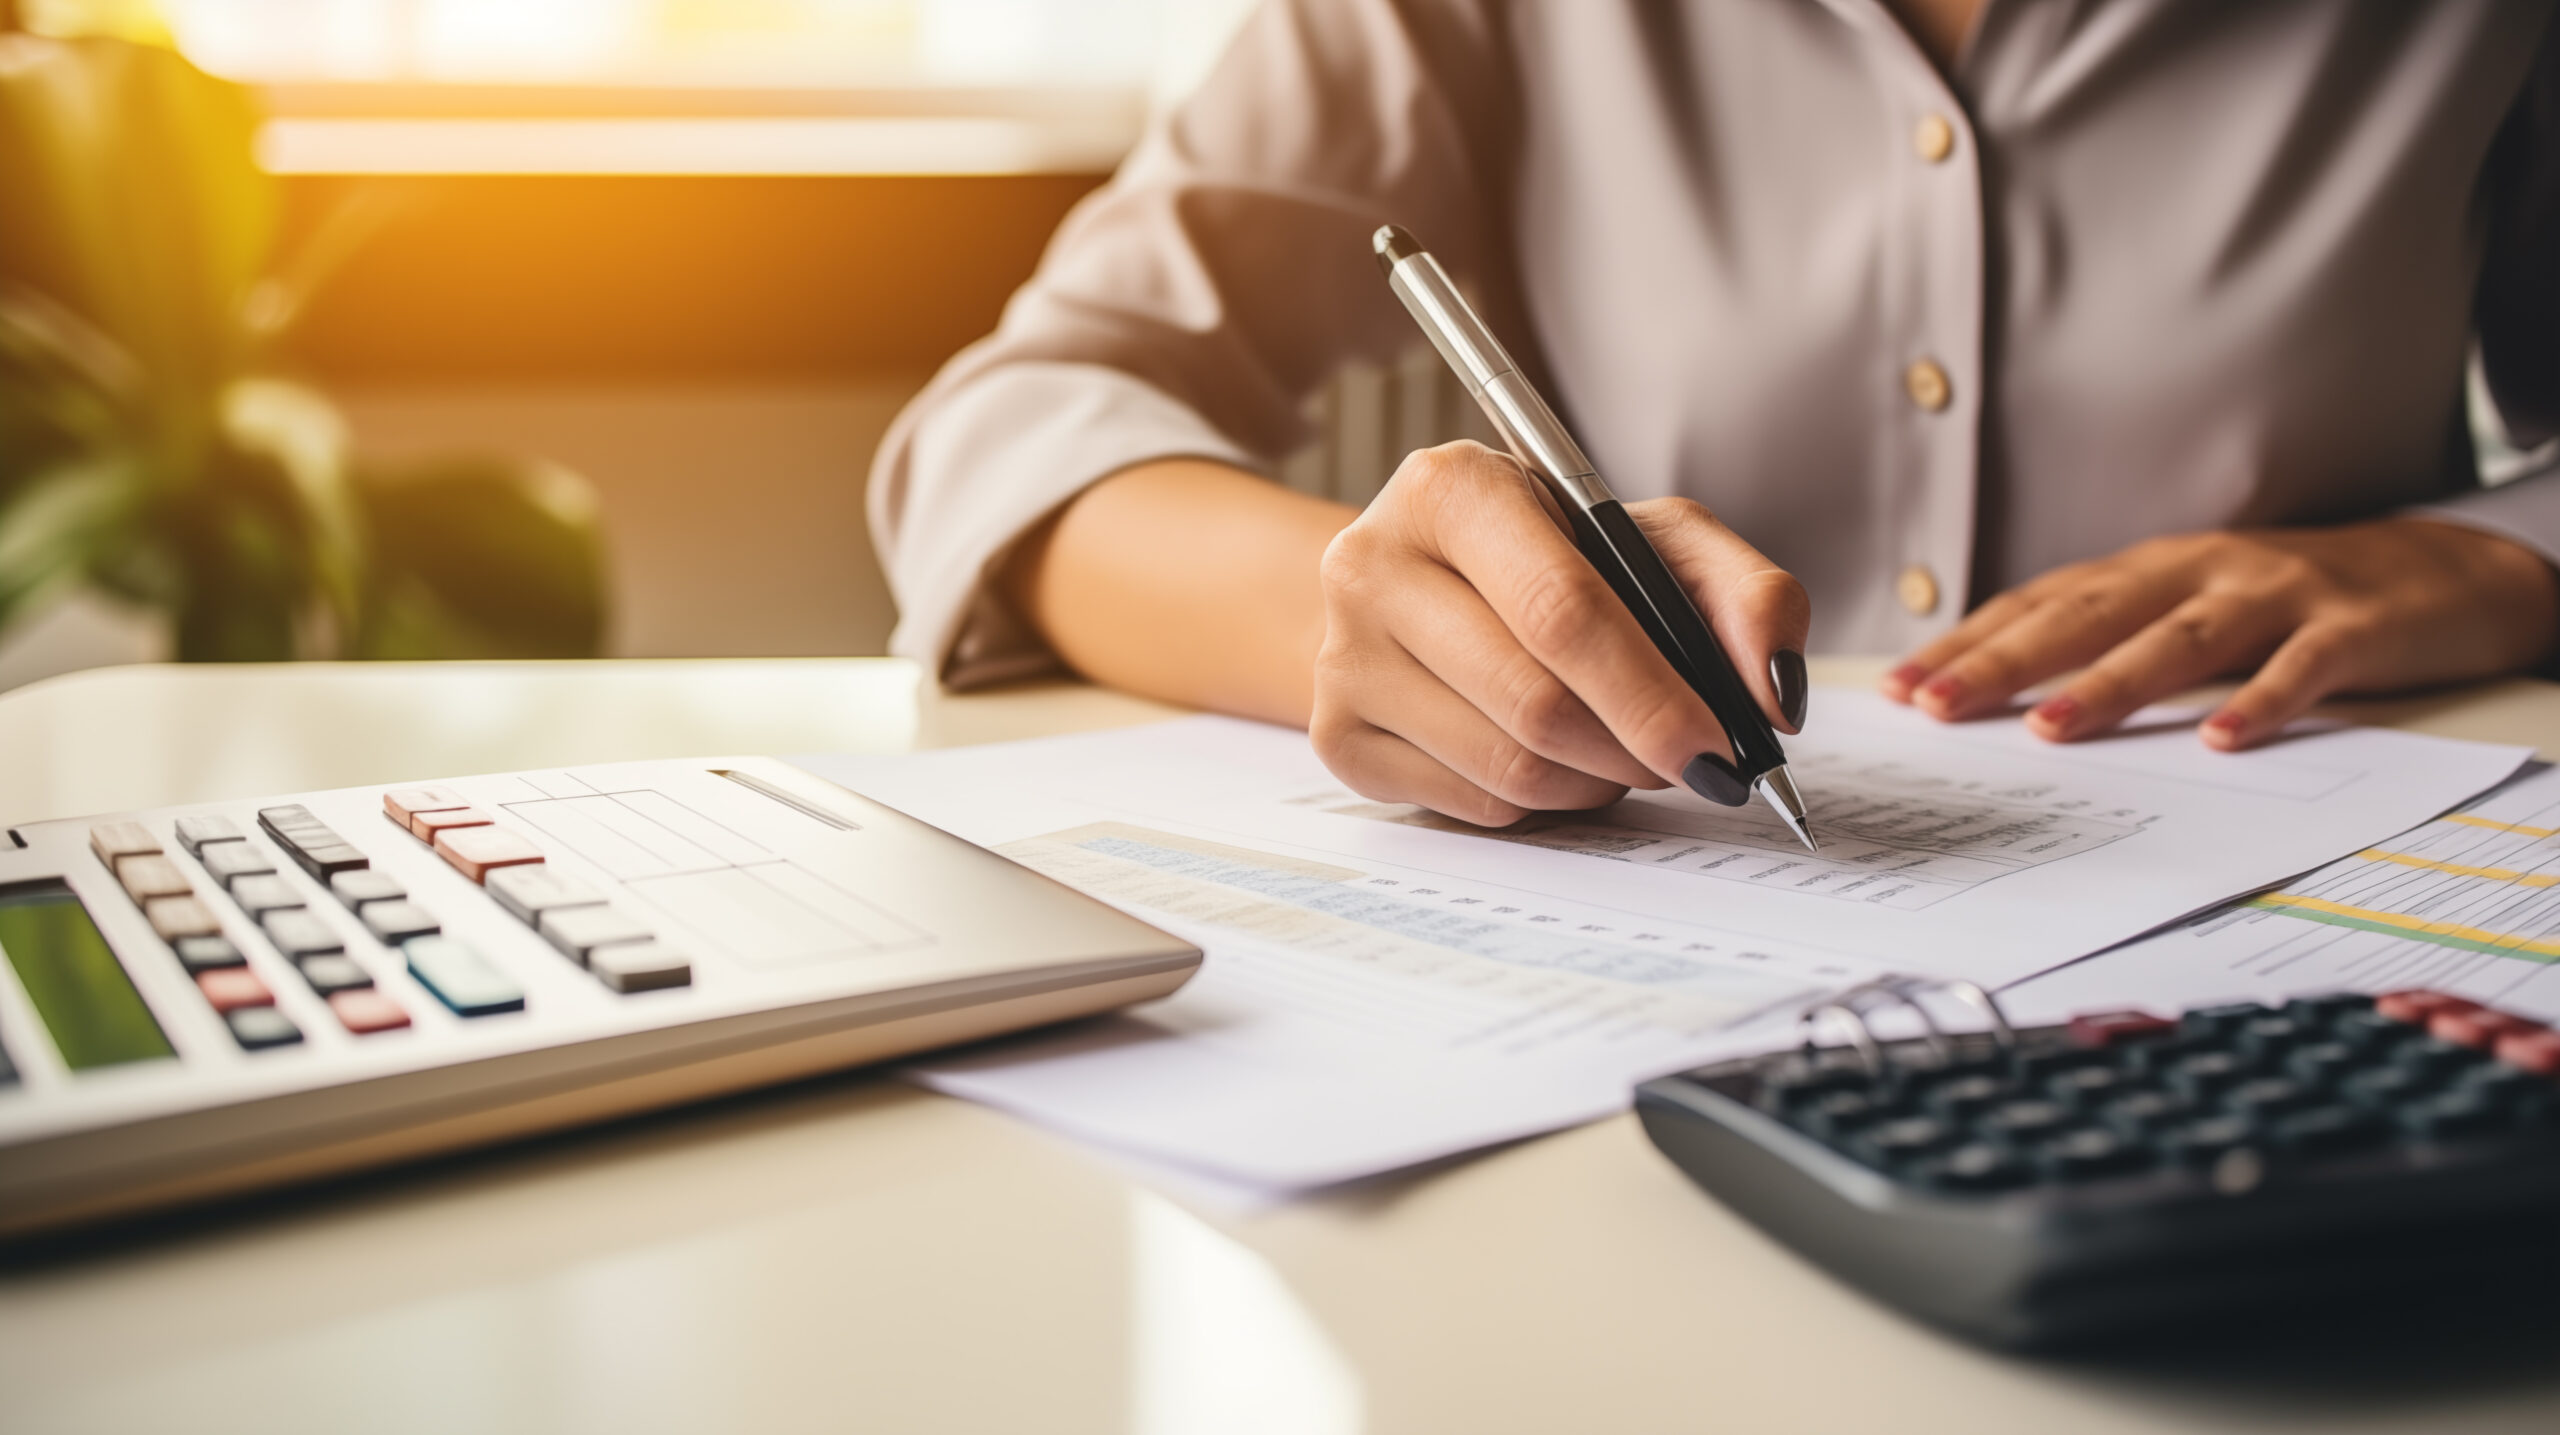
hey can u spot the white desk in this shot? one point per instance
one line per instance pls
(854, 1254)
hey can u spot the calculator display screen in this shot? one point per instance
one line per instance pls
(74, 980)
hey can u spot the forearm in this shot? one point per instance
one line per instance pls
(1185, 580)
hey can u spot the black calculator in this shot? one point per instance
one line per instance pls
(2047, 1186)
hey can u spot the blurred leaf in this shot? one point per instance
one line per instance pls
(154, 218)
(302, 432)
(481, 557)
(52, 528)
(65, 388)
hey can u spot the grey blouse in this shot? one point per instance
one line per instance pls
(2135, 267)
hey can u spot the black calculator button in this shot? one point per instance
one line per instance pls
(2220, 1021)
(334, 972)
(1977, 1166)
(1964, 1097)
(1836, 1114)
(2320, 1062)
(2433, 1058)
(2091, 1151)
(2452, 1114)
(2141, 1113)
(1889, 1143)
(2505, 1085)
(1794, 1080)
(2321, 1011)
(2028, 1120)
(2087, 1086)
(2268, 1035)
(2040, 1065)
(2266, 1096)
(2200, 1075)
(2385, 1086)
(258, 1027)
(2201, 1142)
(2370, 1030)
(2326, 1129)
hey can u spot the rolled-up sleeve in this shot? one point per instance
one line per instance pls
(1188, 307)
(2518, 315)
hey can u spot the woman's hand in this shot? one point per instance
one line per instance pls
(1475, 664)
(2397, 603)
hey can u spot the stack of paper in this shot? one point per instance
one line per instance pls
(1384, 986)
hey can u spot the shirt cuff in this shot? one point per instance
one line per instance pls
(979, 466)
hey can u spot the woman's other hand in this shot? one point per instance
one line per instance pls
(2369, 607)
(1473, 662)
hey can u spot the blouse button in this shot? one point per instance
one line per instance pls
(1917, 587)
(1927, 384)
(1933, 139)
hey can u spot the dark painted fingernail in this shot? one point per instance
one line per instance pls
(1716, 780)
(1786, 670)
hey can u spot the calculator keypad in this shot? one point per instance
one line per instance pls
(2122, 1093)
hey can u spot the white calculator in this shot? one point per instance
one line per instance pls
(204, 1000)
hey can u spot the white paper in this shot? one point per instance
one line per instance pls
(2468, 903)
(1384, 987)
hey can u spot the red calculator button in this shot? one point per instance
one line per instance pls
(2418, 1006)
(230, 988)
(364, 1010)
(2478, 1028)
(2101, 1027)
(2535, 1051)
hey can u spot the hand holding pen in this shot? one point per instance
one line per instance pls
(1476, 662)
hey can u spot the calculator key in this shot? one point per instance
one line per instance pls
(332, 972)
(152, 875)
(2201, 1074)
(1903, 1138)
(528, 892)
(2370, 1030)
(258, 896)
(640, 966)
(2089, 1151)
(578, 931)
(2453, 1114)
(198, 832)
(1965, 1097)
(403, 803)
(2320, 1011)
(232, 987)
(2478, 1028)
(397, 922)
(2537, 1052)
(299, 934)
(2140, 1113)
(1835, 1114)
(2107, 1028)
(2215, 1021)
(365, 884)
(2504, 1084)
(228, 862)
(2266, 1096)
(1977, 1166)
(2432, 1057)
(206, 954)
(2326, 1129)
(365, 1011)
(2203, 1142)
(175, 917)
(2027, 1120)
(327, 861)
(257, 1028)
(425, 825)
(476, 851)
(2320, 1062)
(2416, 1006)
(115, 841)
(2385, 1086)
(461, 978)
(2268, 1035)
(2088, 1085)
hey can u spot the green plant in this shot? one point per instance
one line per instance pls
(148, 445)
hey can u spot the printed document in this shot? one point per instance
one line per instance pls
(1385, 986)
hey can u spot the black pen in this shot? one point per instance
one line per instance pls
(1602, 528)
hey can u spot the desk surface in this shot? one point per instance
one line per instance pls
(855, 1253)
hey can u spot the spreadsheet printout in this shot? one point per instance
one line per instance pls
(1384, 986)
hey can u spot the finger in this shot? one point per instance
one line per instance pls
(1404, 697)
(2200, 638)
(2064, 630)
(1981, 623)
(1449, 629)
(1757, 609)
(2319, 659)
(1383, 767)
(1480, 519)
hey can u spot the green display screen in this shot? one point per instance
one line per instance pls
(78, 987)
